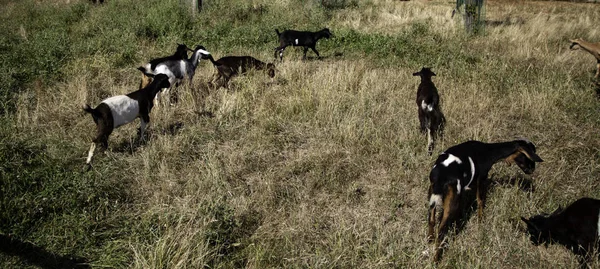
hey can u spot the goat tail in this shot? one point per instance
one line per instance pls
(278, 33)
(88, 109)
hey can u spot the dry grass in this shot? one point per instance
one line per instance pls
(324, 166)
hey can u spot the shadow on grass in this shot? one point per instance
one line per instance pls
(38, 256)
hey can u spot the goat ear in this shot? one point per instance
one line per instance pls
(511, 159)
(529, 223)
(433, 74)
(531, 155)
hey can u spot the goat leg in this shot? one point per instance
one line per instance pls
(316, 52)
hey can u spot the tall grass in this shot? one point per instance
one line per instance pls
(322, 166)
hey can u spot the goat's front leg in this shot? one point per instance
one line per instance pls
(598, 69)
(315, 50)
(144, 120)
(88, 162)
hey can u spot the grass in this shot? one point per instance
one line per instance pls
(321, 167)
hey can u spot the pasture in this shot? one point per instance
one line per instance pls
(322, 166)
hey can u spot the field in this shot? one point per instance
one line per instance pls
(321, 167)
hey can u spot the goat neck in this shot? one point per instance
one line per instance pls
(494, 152)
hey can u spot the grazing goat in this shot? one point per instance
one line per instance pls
(300, 38)
(577, 227)
(230, 66)
(592, 48)
(180, 54)
(466, 166)
(122, 109)
(177, 70)
(431, 118)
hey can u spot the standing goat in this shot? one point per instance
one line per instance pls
(230, 66)
(177, 70)
(180, 54)
(592, 48)
(431, 118)
(577, 227)
(459, 167)
(122, 109)
(300, 38)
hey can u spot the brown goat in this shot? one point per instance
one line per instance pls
(230, 66)
(592, 48)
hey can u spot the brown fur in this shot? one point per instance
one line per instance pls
(230, 66)
(592, 48)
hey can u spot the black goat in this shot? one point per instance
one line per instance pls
(431, 118)
(230, 66)
(122, 109)
(177, 70)
(466, 166)
(300, 38)
(180, 54)
(577, 227)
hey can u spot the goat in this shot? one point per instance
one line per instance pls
(177, 70)
(180, 54)
(592, 48)
(431, 118)
(460, 166)
(576, 227)
(300, 38)
(230, 66)
(122, 109)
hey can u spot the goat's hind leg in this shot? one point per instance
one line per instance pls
(450, 212)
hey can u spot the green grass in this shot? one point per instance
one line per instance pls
(321, 167)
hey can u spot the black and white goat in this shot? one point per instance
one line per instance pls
(230, 66)
(177, 70)
(431, 118)
(576, 227)
(466, 166)
(180, 54)
(300, 38)
(122, 109)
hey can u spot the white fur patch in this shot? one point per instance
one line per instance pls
(435, 199)
(458, 188)
(598, 224)
(451, 159)
(124, 109)
(472, 173)
(203, 52)
(296, 41)
(426, 106)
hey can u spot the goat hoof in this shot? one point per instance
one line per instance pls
(87, 167)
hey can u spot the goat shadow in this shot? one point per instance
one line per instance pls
(322, 58)
(38, 256)
(131, 146)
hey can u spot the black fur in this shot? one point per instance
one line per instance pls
(433, 120)
(300, 38)
(102, 114)
(451, 179)
(575, 227)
